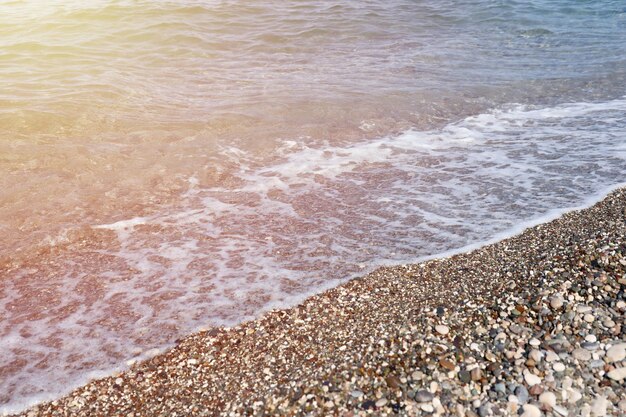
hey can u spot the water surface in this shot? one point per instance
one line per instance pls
(171, 165)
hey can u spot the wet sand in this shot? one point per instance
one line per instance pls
(533, 323)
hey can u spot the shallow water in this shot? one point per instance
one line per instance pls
(171, 165)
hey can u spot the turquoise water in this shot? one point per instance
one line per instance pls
(172, 165)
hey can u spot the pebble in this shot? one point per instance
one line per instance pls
(581, 354)
(423, 396)
(556, 302)
(442, 329)
(558, 366)
(598, 406)
(560, 410)
(534, 342)
(589, 318)
(530, 410)
(618, 374)
(616, 353)
(522, 394)
(591, 338)
(548, 398)
(381, 403)
(531, 379)
(356, 394)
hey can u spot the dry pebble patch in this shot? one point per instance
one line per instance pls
(531, 326)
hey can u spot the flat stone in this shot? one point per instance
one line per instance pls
(531, 379)
(393, 382)
(548, 398)
(598, 406)
(618, 374)
(581, 354)
(573, 395)
(551, 356)
(423, 396)
(591, 338)
(589, 318)
(535, 355)
(476, 374)
(445, 363)
(556, 302)
(381, 403)
(465, 376)
(442, 329)
(521, 393)
(534, 342)
(558, 366)
(356, 394)
(590, 345)
(616, 353)
(530, 411)
(562, 411)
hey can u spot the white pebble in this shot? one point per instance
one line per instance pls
(616, 353)
(442, 330)
(547, 398)
(531, 379)
(560, 410)
(558, 367)
(590, 338)
(119, 381)
(598, 406)
(534, 342)
(618, 374)
(530, 411)
(381, 402)
(573, 395)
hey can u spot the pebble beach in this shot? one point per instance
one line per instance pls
(532, 325)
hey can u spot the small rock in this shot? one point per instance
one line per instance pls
(476, 374)
(522, 394)
(556, 302)
(560, 410)
(558, 366)
(581, 354)
(616, 353)
(393, 382)
(534, 342)
(598, 406)
(465, 376)
(535, 355)
(442, 329)
(535, 390)
(530, 411)
(423, 396)
(591, 338)
(573, 395)
(589, 318)
(445, 363)
(381, 402)
(548, 398)
(356, 393)
(119, 381)
(618, 374)
(531, 379)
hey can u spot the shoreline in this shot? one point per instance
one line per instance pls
(308, 358)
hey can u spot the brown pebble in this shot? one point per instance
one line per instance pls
(535, 390)
(444, 363)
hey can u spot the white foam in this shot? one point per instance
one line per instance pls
(311, 219)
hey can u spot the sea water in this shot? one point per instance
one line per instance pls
(167, 166)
